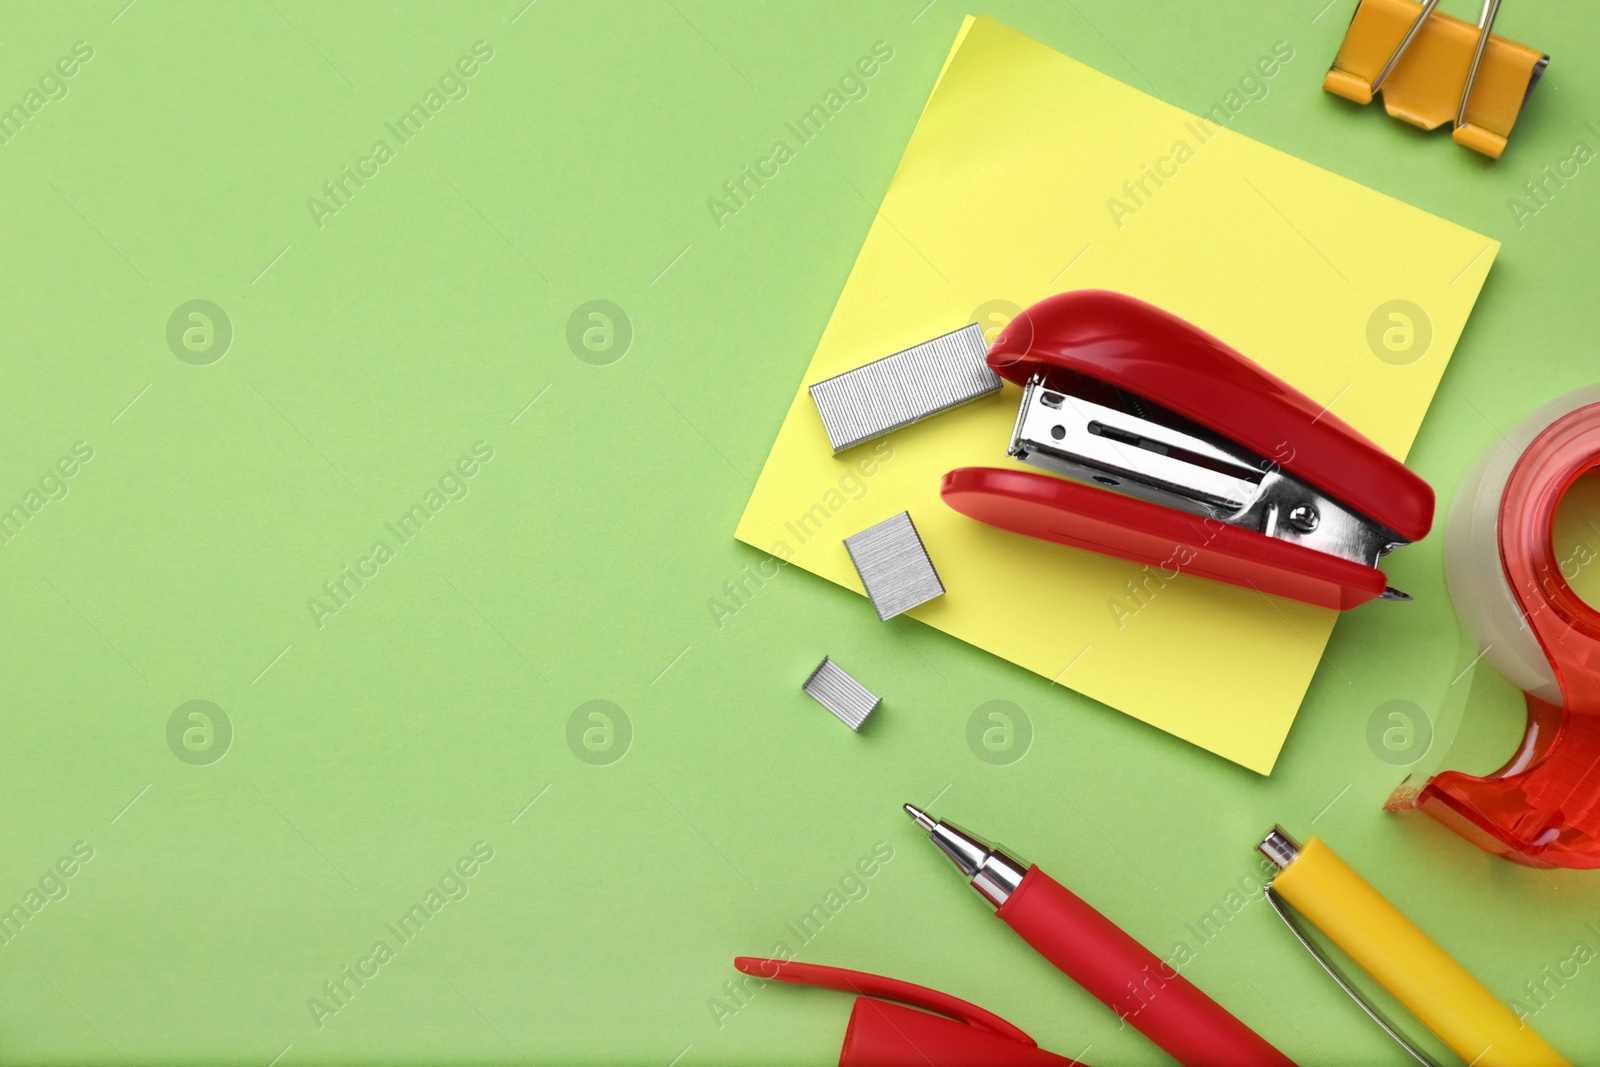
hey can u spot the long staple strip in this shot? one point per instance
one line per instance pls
(841, 694)
(894, 566)
(904, 388)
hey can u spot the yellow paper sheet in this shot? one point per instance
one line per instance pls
(1009, 192)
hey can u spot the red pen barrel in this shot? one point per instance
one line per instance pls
(1130, 979)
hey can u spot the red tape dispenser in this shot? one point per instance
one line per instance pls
(1542, 808)
(1186, 454)
(882, 1034)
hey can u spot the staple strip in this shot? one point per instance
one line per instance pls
(841, 694)
(904, 388)
(894, 566)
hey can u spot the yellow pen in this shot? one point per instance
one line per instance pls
(1403, 959)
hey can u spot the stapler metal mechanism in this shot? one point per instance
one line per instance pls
(1185, 455)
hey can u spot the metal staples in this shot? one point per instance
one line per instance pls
(894, 566)
(841, 694)
(906, 387)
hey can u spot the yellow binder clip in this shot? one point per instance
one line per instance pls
(1433, 68)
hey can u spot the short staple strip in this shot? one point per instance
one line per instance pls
(841, 694)
(894, 566)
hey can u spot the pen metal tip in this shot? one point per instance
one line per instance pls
(919, 817)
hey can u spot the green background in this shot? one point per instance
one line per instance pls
(373, 752)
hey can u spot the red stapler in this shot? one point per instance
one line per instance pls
(1187, 456)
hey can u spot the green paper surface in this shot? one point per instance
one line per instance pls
(442, 719)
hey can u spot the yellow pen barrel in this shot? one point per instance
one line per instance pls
(1406, 962)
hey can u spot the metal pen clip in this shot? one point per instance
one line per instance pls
(1125, 443)
(1281, 849)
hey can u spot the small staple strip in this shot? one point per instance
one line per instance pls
(841, 694)
(894, 566)
(904, 388)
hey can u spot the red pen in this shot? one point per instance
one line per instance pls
(1094, 952)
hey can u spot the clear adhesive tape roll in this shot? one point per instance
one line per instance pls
(1543, 807)
(1473, 567)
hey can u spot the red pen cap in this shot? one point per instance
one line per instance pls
(884, 1034)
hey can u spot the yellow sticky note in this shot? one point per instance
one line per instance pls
(1029, 174)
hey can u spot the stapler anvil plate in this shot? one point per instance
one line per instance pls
(1187, 456)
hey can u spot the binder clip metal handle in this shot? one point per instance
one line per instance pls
(1400, 49)
(1491, 8)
